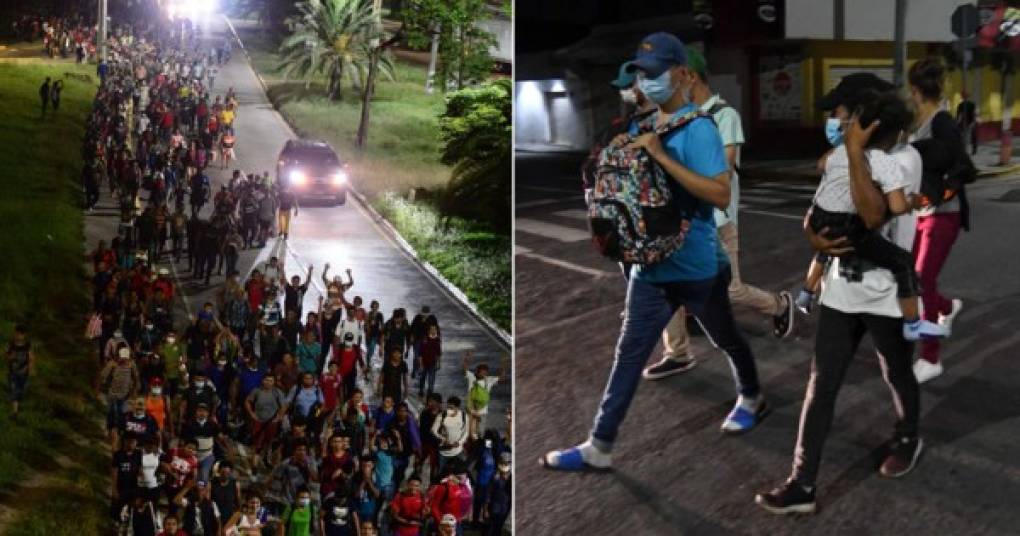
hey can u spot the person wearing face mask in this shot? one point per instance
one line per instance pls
(172, 352)
(117, 382)
(857, 296)
(200, 392)
(451, 429)
(696, 275)
(157, 405)
(779, 307)
(205, 433)
(301, 517)
(498, 498)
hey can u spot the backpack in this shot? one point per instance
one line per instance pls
(634, 213)
(478, 395)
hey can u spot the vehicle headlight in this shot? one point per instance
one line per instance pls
(297, 177)
(340, 178)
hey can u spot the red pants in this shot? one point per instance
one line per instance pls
(263, 434)
(935, 237)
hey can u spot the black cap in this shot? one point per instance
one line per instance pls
(849, 88)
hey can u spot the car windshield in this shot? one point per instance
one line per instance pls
(323, 157)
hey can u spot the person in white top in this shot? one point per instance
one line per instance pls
(451, 429)
(858, 298)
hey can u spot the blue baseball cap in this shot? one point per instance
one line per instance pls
(658, 52)
(625, 78)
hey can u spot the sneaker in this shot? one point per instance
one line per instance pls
(905, 452)
(782, 324)
(789, 498)
(668, 366)
(741, 419)
(925, 370)
(923, 329)
(946, 321)
(804, 302)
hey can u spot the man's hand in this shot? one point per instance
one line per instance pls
(620, 140)
(856, 136)
(836, 247)
(648, 141)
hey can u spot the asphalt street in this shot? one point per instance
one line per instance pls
(344, 236)
(674, 473)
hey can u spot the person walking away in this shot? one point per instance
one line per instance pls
(20, 365)
(695, 275)
(966, 121)
(857, 299)
(777, 307)
(44, 95)
(480, 386)
(938, 222)
(55, 90)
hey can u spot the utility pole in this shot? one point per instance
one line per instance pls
(430, 81)
(101, 33)
(900, 43)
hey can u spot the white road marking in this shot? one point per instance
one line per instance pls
(574, 214)
(557, 232)
(544, 202)
(773, 214)
(593, 272)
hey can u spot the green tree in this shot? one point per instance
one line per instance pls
(476, 131)
(463, 46)
(270, 13)
(334, 37)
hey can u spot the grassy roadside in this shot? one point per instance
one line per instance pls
(475, 260)
(402, 154)
(42, 285)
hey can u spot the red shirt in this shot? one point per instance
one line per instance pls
(348, 358)
(184, 467)
(330, 391)
(330, 464)
(255, 294)
(167, 120)
(431, 349)
(166, 285)
(408, 506)
(445, 499)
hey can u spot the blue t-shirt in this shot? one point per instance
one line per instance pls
(383, 469)
(698, 147)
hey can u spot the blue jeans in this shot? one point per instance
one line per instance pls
(648, 309)
(205, 468)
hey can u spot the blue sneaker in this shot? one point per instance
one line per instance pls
(923, 329)
(742, 420)
(573, 459)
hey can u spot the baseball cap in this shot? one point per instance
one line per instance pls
(624, 78)
(696, 61)
(449, 520)
(848, 89)
(658, 52)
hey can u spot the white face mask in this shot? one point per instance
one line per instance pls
(171, 340)
(199, 384)
(201, 422)
(628, 96)
(157, 390)
(304, 501)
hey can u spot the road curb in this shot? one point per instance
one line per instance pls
(451, 289)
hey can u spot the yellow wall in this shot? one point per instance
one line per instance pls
(819, 55)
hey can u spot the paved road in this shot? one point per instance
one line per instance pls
(674, 472)
(345, 237)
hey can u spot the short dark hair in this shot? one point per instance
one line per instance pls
(889, 109)
(928, 76)
(435, 396)
(20, 328)
(453, 400)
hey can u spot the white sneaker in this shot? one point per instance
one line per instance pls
(947, 320)
(924, 370)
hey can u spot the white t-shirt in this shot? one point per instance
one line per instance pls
(833, 193)
(353, 327)
(487, 384)
(150, 464)
(876, 292)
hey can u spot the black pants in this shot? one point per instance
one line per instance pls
(870, 246)
(838, 336)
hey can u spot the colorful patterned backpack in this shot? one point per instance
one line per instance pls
(634, 212)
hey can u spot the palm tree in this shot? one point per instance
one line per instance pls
(334, 37)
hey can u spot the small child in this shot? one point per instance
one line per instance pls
(834, 212)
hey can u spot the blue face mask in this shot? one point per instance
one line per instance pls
(659, 90)
(833, 131)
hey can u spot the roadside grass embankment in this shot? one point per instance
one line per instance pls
(54, 462)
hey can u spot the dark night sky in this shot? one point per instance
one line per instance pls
(550, 24)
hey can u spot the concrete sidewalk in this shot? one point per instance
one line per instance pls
(986, 160)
